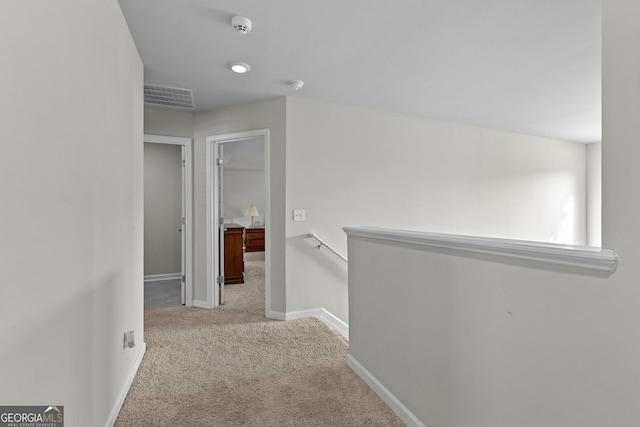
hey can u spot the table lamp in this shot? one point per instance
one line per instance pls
(251, 211)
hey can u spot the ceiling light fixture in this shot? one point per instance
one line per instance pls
(296, 84)
(242, 24)
(239, 67)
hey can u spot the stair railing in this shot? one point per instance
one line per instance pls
(323, 243)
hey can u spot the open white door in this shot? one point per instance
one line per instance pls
(215, 218)
(183, 233)
(220, 221)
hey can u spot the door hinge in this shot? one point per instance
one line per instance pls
(220, 280)
(220, 220)
(183, 221)
(184, 163)
(219, 162)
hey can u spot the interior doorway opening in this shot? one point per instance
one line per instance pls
(168, 216)
(236, 158)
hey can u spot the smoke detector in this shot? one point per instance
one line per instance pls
(242, 24)
(296, 84)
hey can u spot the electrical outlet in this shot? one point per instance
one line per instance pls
(298, 215)
(129, 340)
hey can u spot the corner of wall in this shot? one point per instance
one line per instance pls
(594, 193)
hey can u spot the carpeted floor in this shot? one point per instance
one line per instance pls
(232, 367)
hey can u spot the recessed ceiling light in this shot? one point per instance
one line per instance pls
(239, 67)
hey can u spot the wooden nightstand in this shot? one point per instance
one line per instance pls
(233, 255)
(253, 239)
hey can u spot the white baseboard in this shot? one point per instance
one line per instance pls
(158, 277)
(392, 402)
(276, 315)
(336, 324)
(113, 416)
(293, 315)
(200, 304)
(329, 319)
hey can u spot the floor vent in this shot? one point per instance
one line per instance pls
(171, 97)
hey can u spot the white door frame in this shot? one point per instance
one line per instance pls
(187, 197)
(213, 267)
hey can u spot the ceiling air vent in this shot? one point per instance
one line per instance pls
(169, 97)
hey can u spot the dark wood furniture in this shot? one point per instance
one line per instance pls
(233, 254)
(254, 239)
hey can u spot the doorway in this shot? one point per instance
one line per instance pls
(216, 216)
(172, 222)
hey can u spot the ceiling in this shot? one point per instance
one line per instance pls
(529, 66)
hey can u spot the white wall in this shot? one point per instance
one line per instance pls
(351, 166)
(71, 180)
(158, 121)
(503, 179)
(478, 341)
(241, 189)
(244, 181)
(594, 194)
(162, 209)
(267, 114)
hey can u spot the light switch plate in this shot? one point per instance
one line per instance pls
(298, 215)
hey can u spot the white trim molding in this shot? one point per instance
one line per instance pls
(211, 208)
(276, 315)
(200, 304)
(158, 277)
(392, 402)
(113, 416)
(567, 255)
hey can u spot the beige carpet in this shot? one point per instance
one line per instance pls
(232, 367)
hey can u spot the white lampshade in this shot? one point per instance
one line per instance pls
(251, 211)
